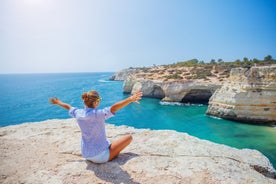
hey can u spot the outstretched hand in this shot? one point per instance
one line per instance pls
(136, 97)
(54, 100)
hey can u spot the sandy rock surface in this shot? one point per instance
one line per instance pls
(49, 152)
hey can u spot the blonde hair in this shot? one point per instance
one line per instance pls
(90, 97)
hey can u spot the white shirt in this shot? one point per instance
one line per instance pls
(92, 124)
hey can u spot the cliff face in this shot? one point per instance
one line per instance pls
(178, 91)
(173, 84)
(49, 152)
(249, 95)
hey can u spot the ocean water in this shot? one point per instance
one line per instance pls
(24, 98)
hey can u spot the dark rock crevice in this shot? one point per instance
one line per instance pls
(197, 96)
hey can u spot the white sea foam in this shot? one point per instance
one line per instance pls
(171, 103)
(102, 80)
(214, 117)
(179, 104)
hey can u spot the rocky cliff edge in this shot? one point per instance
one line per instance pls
(48, 152)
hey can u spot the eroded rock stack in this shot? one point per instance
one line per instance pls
(249, 95)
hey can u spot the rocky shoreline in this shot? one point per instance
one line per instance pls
(244, 95)
(49, 152)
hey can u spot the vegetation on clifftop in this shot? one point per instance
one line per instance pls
(268, 60)
(195, 69)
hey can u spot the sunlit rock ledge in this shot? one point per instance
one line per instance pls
(49, 152)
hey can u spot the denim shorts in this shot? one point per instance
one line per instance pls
(101, 157)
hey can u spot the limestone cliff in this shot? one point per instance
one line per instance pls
(249, 95)
(178, 91)
(49, 152)
(174, 84)
(123, 74)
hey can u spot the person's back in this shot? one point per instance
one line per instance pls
(92, 124)
(95, 147)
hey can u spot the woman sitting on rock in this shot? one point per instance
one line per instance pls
(91, 120)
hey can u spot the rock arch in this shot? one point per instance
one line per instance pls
(157, 92)
(197, 96)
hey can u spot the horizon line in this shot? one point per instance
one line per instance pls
(21, 73)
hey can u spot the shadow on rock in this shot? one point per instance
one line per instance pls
(111, 171)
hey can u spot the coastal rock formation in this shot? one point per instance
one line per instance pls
(123, 74)
(48, 152)
(249, 95)
(173, 83)
(178, 91)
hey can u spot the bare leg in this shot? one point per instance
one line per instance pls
(117, 146)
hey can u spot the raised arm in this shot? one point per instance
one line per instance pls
(134, 98)
(56, 101)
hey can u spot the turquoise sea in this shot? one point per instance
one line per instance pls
(24, 98)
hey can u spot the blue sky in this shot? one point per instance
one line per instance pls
(41, 36)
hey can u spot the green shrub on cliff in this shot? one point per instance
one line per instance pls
(189, 63)
(174, 76)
